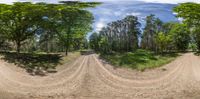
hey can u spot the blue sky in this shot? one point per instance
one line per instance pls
(149, 1)
(112, 10)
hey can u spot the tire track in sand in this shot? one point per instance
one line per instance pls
(90, 79)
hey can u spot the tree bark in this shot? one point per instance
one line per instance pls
(67, 45)
(68, 40)
(18, 46)
(66, 51)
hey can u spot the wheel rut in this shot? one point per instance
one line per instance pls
(89, 78)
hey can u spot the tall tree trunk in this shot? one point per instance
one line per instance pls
(67, 45)
(66, 51)
(18, 46)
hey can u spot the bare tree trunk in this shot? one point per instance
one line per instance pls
(66, 51)
(18, 46)
(67, 46)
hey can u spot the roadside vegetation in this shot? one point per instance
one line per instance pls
(41, 27)
(139, 59)
(122, 42)
(33, 35)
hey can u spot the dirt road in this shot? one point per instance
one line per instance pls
(90, 78)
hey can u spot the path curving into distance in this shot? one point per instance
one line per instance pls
(88, 77)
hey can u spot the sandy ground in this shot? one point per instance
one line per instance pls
(90, 78)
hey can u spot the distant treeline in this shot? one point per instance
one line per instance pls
(63, 27)
(122, 35)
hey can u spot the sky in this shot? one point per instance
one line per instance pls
(112, 10)
(149, 1)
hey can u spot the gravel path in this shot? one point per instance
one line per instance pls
(88, 77)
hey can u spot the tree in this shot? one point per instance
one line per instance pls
(163, 41)
(104, 45)
(166, 28)
(190, 12)
(66, 23)
(181, 36)
(133, 32)
(153, 26)
(196, 35)
(73, 22)
(4, 44)
(94, 41)
(85, 44)
(119, 36)
(19, 22)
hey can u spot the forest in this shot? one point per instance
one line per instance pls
(37, 36)
(56, 28)
(100, 50)
(123, 42)
(45, 27)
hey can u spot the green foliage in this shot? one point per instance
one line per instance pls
(66, 23)
(19, 21)
(140, 59)
(196, 34)
(166, 28)
(119, 36)
(76, 23)
(159, 36)
(78, 4)
(163, 36)
(94, 41)
(193, 46)
(104, 45)
(190, 12)
(153, 26)
(181, 36)
(163, 40)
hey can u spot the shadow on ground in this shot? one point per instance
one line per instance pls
(33, 62)
(197, 53)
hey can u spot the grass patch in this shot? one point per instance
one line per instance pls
(140, 59)
(30, 61)
(71, 57)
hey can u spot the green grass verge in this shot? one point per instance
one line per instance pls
(140, 59)
(71, 57)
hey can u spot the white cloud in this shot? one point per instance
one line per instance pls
(170, 1)
(7, 1)
(151, 1)
(118, 13)
(134, 14)
(100, 25)
(49, 1)
(180, 19)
